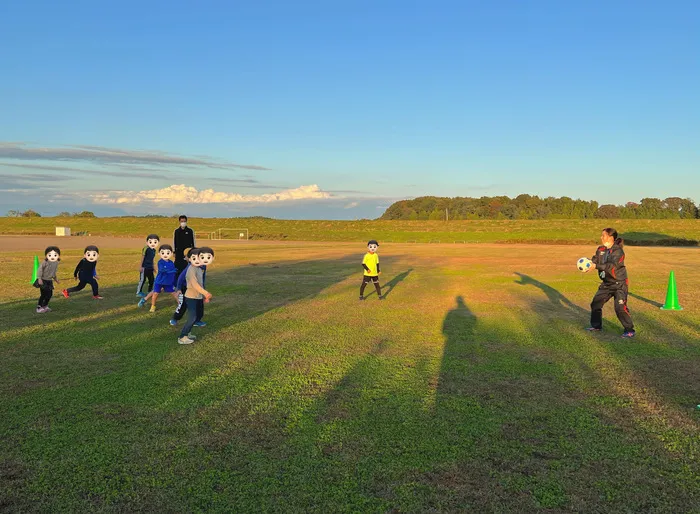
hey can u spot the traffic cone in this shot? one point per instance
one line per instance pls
(35, 273)
(671, 296)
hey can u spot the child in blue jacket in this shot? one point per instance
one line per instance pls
(165, 279)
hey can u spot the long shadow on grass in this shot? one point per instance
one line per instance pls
(497, 427)
(557, 300)
(101, 374)
(389, 286)
(660, 357)
(646, 300)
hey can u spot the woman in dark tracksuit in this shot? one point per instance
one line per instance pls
(609, 261)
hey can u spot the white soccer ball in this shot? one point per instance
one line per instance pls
(584, 264)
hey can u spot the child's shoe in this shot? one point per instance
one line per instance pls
(47, 309)
(141, 294)
(200, 324)
(152, 309)
(185, 340)
(142, 302)
(173, 322)
(65, 293)
(629, 334)
(39, 309)
(362, 297)
(192, 336)
(97, 297)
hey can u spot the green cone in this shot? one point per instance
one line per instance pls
(35, 273)
(671, 296)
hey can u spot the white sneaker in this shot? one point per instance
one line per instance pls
(185, 340)
(47, 309)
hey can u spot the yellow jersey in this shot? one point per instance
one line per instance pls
(371, 260)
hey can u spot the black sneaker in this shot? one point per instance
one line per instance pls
(362, 297)
(381, 297)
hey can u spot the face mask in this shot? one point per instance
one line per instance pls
(183, 224)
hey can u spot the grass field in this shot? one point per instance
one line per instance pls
(472, 387)
(679, 232)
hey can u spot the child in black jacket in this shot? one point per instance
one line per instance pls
(86, 273)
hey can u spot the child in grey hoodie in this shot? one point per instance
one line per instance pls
(45, 277)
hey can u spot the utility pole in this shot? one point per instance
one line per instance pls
(447, 215)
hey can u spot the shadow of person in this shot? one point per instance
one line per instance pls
(389, 286)
(555, 297)
(458, 329)
(646, 300)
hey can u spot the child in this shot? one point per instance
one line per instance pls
(195, 293)
(181, 287)
(146, 268)
(370, 263)
(86, 273)
(165, 280)
(45, 277)
(609, 260)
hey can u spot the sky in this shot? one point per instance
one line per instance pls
(334, 110)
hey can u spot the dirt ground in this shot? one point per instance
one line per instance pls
(28, 243)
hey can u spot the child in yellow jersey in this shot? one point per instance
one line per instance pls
(370, 263)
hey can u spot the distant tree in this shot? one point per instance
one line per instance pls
(14, 214)
(526, 206)
(608, 212)
(31, 214)
(437, 215)
(64, 214)
(85, 214)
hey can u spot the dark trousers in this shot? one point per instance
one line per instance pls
(83, 281)
(191, 316)
(366, 280)
(146, 275)
(619, 293)
(182, 308)
(46, 293)
(180, 264)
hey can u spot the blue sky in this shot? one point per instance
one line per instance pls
(335, 109)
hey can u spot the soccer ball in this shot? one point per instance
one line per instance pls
(584, 264)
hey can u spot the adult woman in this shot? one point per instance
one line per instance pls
(609, 261)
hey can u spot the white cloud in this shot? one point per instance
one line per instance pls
(351, 205)
(182, 194)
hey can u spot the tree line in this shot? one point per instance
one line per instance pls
(529, 207)
(30, 213)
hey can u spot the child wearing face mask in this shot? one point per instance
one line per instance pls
(46, 276)
(165, 280)
(86, 273)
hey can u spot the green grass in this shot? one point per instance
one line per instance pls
(667, 232)
(471, 388)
